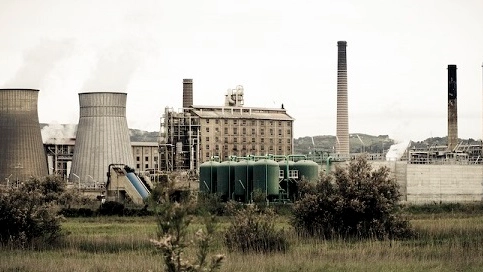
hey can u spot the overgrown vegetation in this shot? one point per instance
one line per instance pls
(356, 201)
(29, 212)
(173, 220)
(254, 231)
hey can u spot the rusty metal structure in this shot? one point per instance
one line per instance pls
(22, 153)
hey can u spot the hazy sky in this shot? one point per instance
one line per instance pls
(280, 51)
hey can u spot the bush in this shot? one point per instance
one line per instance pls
(356, 201)
(29, 213)
(111, 208)
(252, 231)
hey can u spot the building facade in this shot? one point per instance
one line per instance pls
(145, 155)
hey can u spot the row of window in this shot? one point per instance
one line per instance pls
(254, 131)
(244, 140)
(155, 158)
(245, 151)
(244, 147)
(245, 122)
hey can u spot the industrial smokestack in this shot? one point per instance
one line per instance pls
(342, 145)
(22, 153)
(102, 136)
(187, 93)
(452, 109)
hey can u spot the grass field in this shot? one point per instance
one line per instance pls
(446, 242)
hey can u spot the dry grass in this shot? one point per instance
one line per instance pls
(445, 243)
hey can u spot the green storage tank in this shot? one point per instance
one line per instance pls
(208, 176)
(226, 179)
(243, 180)
(265, 176)
(308, 170)
(283, 167)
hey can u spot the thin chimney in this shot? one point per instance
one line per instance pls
(452, 108)
(342, 145)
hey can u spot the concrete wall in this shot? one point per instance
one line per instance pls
(425, 183)
(444, 183)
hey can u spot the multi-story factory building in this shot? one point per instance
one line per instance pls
(195, 134)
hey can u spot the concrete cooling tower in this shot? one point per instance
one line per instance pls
(102, 137)
(342, 145)
(22, 152)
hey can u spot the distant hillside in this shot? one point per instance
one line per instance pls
(143, 136)
(358, 143)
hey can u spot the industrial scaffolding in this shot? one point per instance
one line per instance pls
(179, 141)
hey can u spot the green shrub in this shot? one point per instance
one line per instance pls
(252, 231)
(111, 208)
(29, 213)
(356, 201)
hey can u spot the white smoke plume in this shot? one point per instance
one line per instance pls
(38, 62)
(58, 133)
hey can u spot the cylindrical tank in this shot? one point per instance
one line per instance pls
(286, 166)
(22, 153)
(102, 136)
(208, 176)
(243, 179)
(308, 170)
(265, 176)
(226, 179)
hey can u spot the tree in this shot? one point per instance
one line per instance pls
(29, 212)
(356, 201)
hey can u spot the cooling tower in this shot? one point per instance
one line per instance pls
(342, 145)
(22, 152)
(187, 93)
(102, 136)
(452, 108)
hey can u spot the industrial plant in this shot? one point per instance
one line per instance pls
(235, 151)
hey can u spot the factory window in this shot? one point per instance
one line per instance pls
(226, 140)
(244, 147)
(207, 154)
(146, 166)
(288, 131)
(253, 147)
(271, 131)
(207, 139)
(138, 166)
(217, 147)
(216, 139)
(244, 139)
(235, 122)
(244, 122)
(155, 158)
(244, 131)
(138, 159)
(217, 129)
(279, 132)
(253, 122)
(235, 140)
(271, 140)
(262, 131)
(253, 131)
(288, 141)
(271, 148)
(226, 130)
(146, 158)
(271, 123)
(207, 129)
(279, 149)
(207, 121)
(280, 123)
(235, 131)
(288, 149)
(138, 150)
(262, 140)
(279, 141)
(226, 122)
(217, 121)
(262, 123)
(225, 147)
(253, 140)
(235, 148)
(207, 147)
(262, 148)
